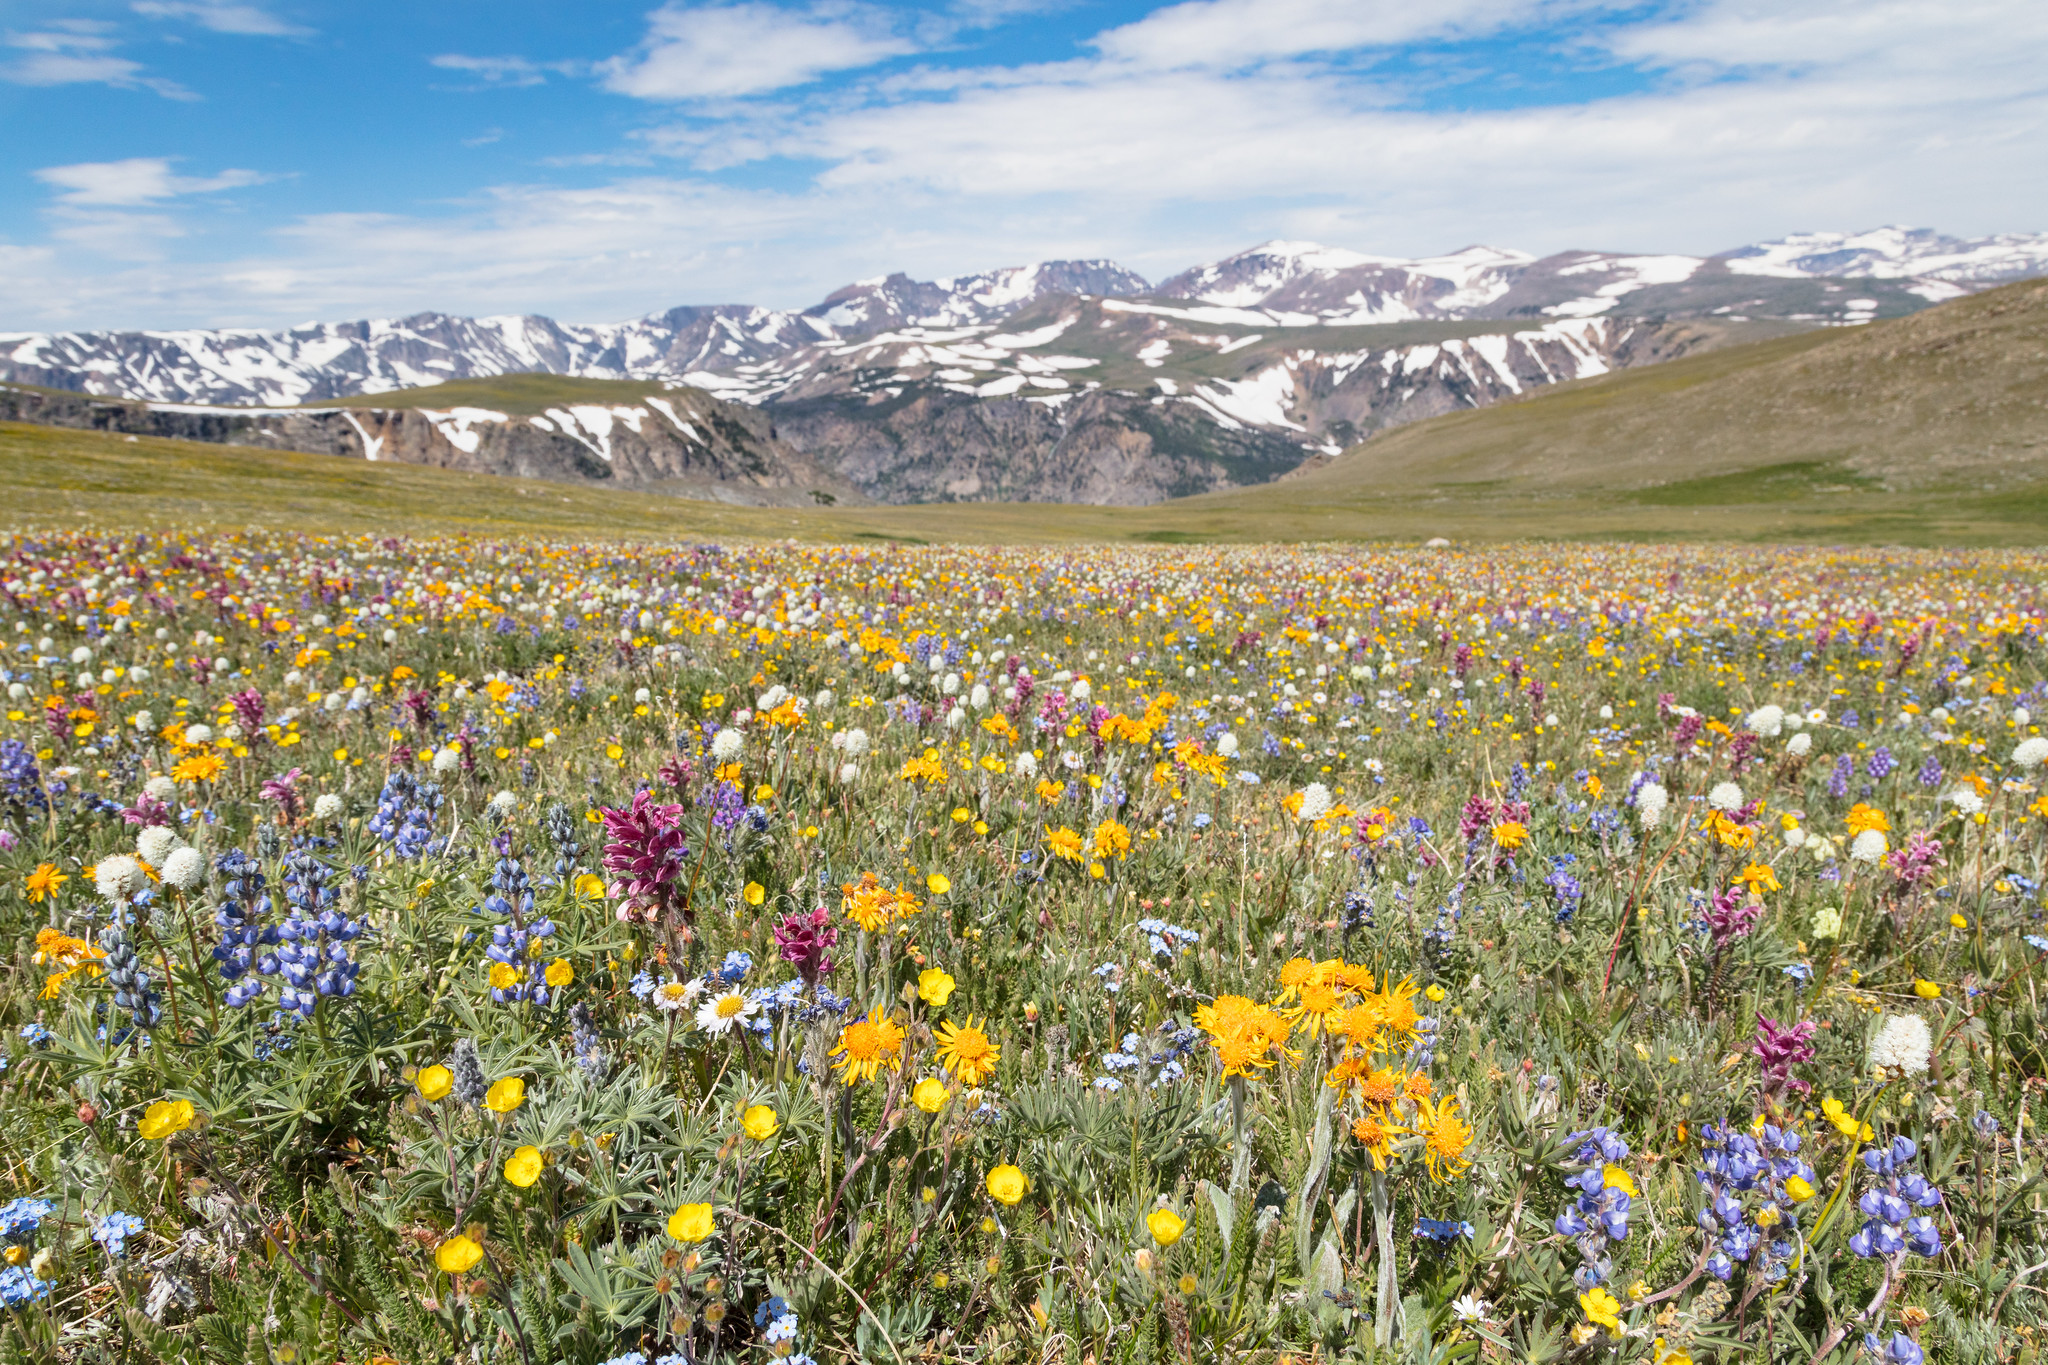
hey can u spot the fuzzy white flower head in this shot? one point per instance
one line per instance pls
(823, 701)
(1901, 1045)
(1315, 801)
(1725, 796)
(2031, 753)
(505, 802)
(184, 868)
(852, 743)
(1767, 721)
(950, 684)
(848, 772)
(232, 730)
(978, 697)
(1822, 850)
(446, 759)
(1827, 922)
(154, 844)
(772, 698)
(1226, 744)
(1799, 745)
(1966, 800)
(1081, 691)
(162, 788)
(1869, 847)
(142, 720)
(726, 744)
(198, 734)
(118, 877)
(326, 806)
(1651, 799)
(956, 718)
(1027, 764)
(1795, 837)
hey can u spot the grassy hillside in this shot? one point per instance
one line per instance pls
(518, 395)
(1953, 399)
(1932, 429)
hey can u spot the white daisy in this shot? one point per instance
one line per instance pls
(671, 996)
(726, 1011)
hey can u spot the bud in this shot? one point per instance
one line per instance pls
(87, 1112)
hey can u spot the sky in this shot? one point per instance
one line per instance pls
(199, 163)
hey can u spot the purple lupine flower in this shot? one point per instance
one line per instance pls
(1838, 781)
(1930, 772)
(1881, 763)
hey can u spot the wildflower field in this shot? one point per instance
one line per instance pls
(473, 951)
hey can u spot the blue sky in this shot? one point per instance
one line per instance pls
(263, 162)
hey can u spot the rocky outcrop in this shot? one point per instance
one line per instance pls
(679, 442)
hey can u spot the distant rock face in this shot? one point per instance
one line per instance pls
(680, 443)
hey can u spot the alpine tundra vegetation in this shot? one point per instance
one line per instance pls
(525, 951)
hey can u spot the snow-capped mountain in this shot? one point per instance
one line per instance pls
(986, 385)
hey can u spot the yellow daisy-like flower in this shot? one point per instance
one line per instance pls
(44, 881)
(1007, 1184)
(506, 1095)
(1112, 840)
(930, 1095)
(866, 1044)
(1510, 835)
(754, 893)
(967, 1052)
(590, 886)
(761, 1122)
(1166, 1226)
(1376, 1133)
(504, 976)
(434, 1082)
(560, 973)
(204, 767)
(1601, 1307)
(523, 1167)
(1064, 843)
(938, 883)
(1446, 1137)
(164, 1118)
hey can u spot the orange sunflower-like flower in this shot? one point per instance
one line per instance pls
(967, 1051)
(865, 1045)
(1446, 1138)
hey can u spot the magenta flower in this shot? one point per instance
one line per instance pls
(805, 941)
(284, 790)
(248, 709)
(644, 854)
(1780, 1049)
(1732, 916)
(1915, 863)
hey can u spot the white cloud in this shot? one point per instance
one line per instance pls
(78, 52)
(221, 16)
(504, 71)
(714, 51)
(135, 181)
(1763, 120)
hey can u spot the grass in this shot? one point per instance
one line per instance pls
(518, 395)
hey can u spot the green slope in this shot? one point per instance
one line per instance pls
(517, 395)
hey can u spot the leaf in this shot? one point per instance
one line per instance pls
(1226, 1211)
(1312, 1183)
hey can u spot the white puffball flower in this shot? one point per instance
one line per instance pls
(1799, 745)
(162, 788)
(505, 802)
(142, 720)
(1226, 744)
(184, 868)
(232, 730)
(848, 772)
(1767, 721)
(823, 701)
(956, 718)
(1027, 764)
(446, 759)
(326, 806)
(1901, 1044)
(852, 743)
(1725, 796)
(772, 698)
(81, 655)
(2022, 716)
(726, 744)
(1869, 847)
(1651, 799)
(118, 877)
(641, 696)
(978, 698)
(1315, 801)
(1607, 713)
(950, 684)
(154, 844)
(1795, 838)
(198, 734)
(2031, 753)
(1966, 800)
(333, 701)
(1082, 691)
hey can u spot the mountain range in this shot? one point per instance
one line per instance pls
(1064, 380)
